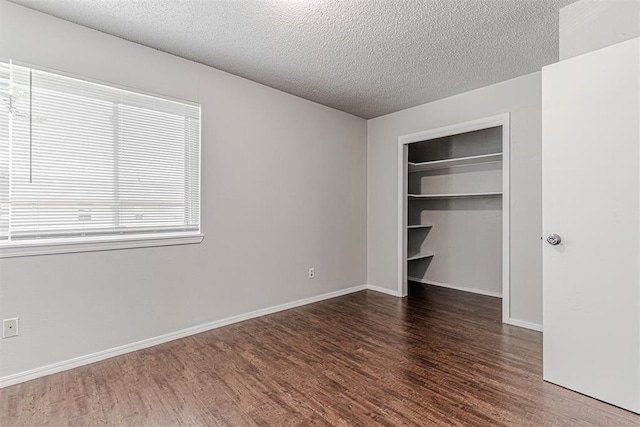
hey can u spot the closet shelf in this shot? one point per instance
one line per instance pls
(420, 226)
(455, 196)
(460, 161)
(420, 256)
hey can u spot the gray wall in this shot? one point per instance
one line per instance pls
(283, 189)
(522, 98)
(589, 25)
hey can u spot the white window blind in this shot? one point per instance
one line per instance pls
(80, 160)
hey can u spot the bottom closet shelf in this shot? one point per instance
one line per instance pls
(420, 256)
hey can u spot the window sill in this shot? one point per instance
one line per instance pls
(32, 248)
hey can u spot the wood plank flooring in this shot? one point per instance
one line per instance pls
(439, 357)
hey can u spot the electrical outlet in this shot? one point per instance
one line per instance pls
(312, 273)
(10, 328)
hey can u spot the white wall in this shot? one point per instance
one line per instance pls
(522, 98)
(588, 25)
(284, 189)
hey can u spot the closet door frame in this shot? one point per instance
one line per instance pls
(470, 126)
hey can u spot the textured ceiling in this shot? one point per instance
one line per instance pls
(365, 57)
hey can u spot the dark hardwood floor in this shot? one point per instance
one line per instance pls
(439, 357)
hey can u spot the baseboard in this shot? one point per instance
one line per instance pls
(150, 342)
(524, 324)
(387, 291)
(457, 288)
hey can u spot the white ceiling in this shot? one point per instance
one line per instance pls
(365, 57)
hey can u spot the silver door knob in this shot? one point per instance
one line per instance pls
(554, 239)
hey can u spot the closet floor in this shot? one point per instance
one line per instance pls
(438, 357)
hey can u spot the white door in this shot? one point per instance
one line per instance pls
(591, 199)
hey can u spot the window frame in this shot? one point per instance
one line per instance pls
(118, 240)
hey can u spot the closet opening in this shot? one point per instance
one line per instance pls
(453, 229)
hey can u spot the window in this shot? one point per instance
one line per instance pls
(84, 163)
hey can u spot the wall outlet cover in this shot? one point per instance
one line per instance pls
(10, 328)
